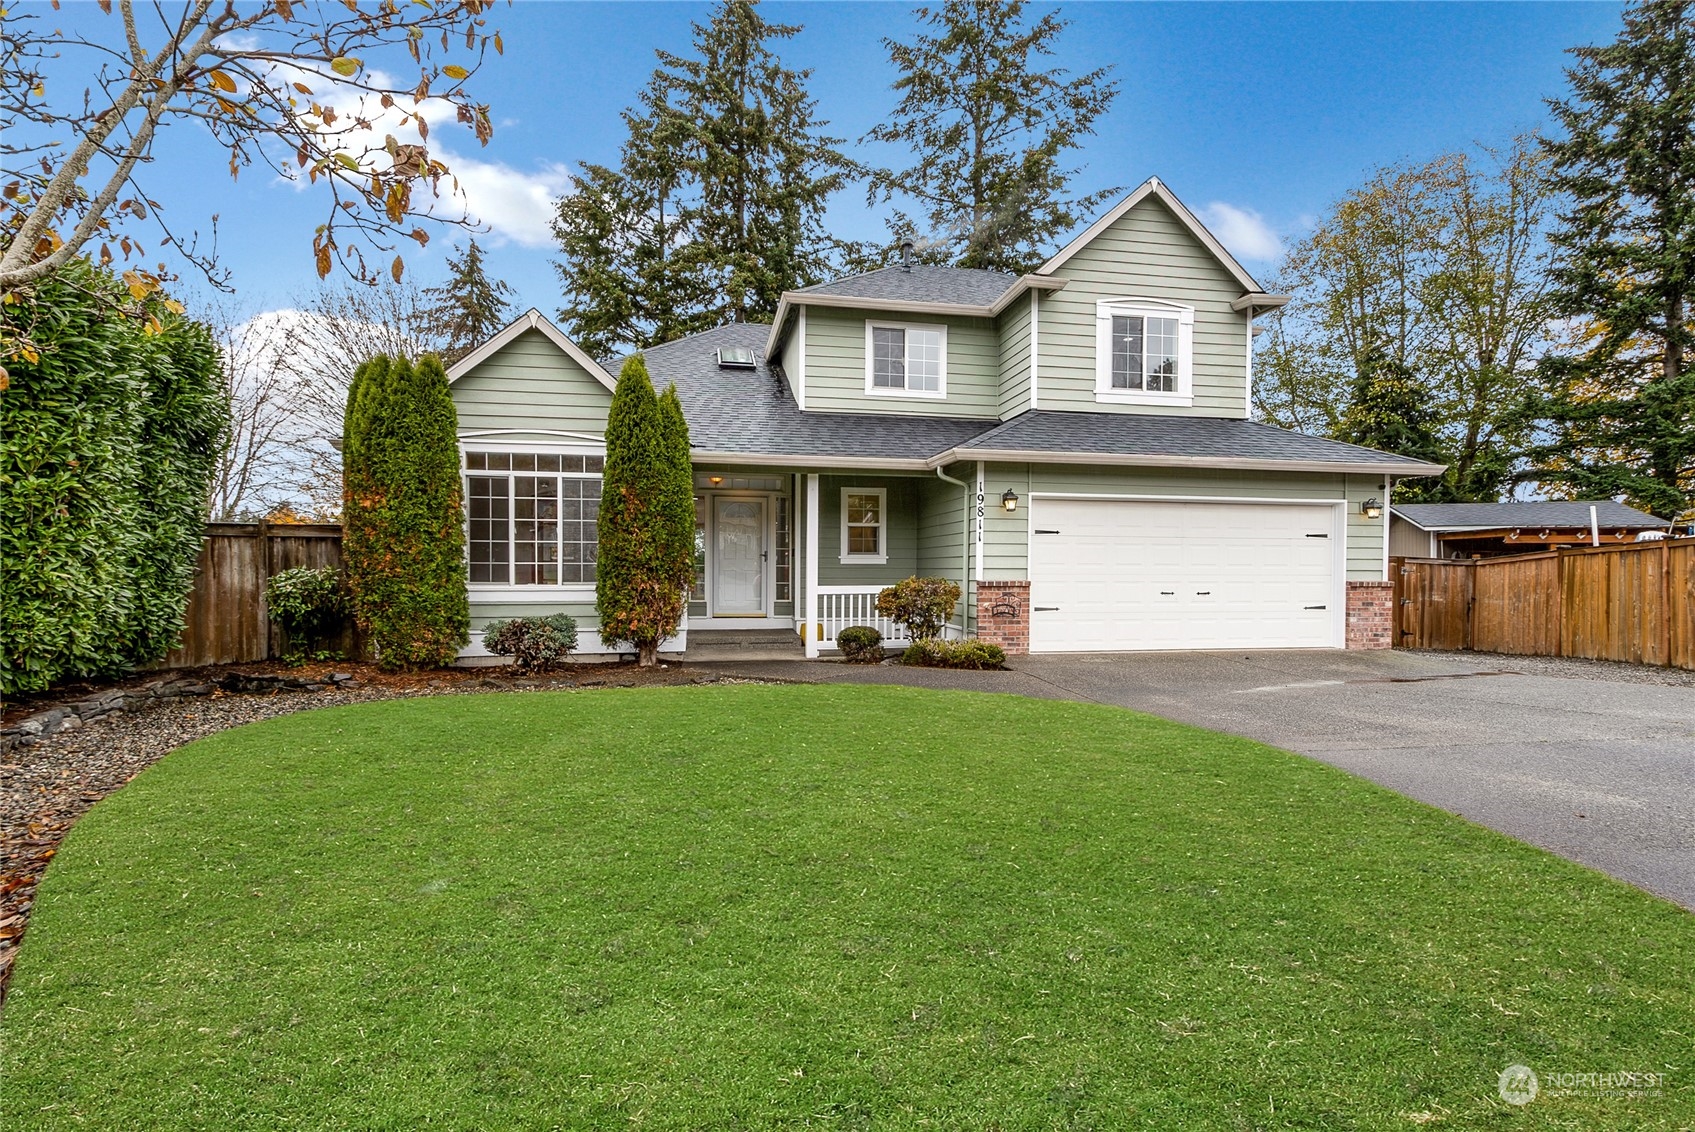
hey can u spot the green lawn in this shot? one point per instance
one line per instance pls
(831, 907)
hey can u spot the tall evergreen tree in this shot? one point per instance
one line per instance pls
(716, 205)
(990, 131)
(1622, 410)
(1391, 411)
(645, 526)
(403, 513)
(467, 309)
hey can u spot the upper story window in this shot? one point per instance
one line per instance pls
(1144, 352)
(904, 359)
(532, 517)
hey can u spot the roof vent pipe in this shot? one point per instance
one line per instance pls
(906, 246)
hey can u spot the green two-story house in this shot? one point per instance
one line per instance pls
(1073, 446)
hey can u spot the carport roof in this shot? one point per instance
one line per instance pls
(1540, 513)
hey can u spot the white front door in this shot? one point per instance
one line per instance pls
(1116, 575)
(738, 559)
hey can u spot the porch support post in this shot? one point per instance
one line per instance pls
(809, 625)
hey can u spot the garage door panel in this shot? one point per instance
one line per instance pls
(1116, 575)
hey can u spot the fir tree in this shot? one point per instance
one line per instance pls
(1391, 412)
(1622, 411)
(990, 132)
(645, 556)
(469, 308)
(403, 514)
(715, 207)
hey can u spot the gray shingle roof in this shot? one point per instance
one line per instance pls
(752, 411)
(1555, 513)
(922, 283)
(1186, 438)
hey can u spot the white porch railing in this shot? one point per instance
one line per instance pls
(839, 607)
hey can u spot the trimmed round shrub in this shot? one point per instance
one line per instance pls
(923, 605)
(933, 652)
(110, 425)
(535, 644)
(860, 644)
(308, 603)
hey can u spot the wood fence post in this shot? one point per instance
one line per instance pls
(263, 561)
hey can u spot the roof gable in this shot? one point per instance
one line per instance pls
(1154, 189)
(531, 319)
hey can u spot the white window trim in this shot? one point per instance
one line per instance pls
(873, 390)
(1147, 308)
(882, 555)
(488, 443)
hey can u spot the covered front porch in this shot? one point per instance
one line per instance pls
(809, 549)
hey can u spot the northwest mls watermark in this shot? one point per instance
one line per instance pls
(1520, 1084)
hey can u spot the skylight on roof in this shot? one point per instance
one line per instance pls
(736, 357)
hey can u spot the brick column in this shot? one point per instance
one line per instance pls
(1003, 615)
(1371, 615)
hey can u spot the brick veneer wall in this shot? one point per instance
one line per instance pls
(1003, 615)
(1371, 615)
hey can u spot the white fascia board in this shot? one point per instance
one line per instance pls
(1024, 285)
(826, 463)
(774, 340)
(1028, 456)
(1259, 301)
(1152, 187)
(531, 319)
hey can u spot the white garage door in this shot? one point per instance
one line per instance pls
(1116, 575)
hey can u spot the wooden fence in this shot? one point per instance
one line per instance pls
(1633, 603)
(227, 622)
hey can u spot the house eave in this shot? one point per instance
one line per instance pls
(1259, 301)
(1246, 463)
(792, 299)
(792, 460)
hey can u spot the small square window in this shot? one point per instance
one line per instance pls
(863, 521)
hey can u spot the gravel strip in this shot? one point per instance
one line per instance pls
(45, 788)
(1574, 668)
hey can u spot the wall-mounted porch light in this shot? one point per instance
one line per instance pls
(1009, 501)
(1371, 509)
(714, 480)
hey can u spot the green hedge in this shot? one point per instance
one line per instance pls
(107, 447)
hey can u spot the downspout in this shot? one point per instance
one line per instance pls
(964, 547)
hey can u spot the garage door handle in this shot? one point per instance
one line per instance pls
(1042, 532)
(1203, 593)
(1047, 609)
(1317, 607)
(1167, 593)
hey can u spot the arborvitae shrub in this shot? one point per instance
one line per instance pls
(403, 513)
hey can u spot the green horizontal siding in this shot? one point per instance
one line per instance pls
(1014, 325)
(835, 365)
(1147, 253)
(942, 524)
(531, 384)
(900, 529)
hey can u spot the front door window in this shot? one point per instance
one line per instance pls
(739, 557)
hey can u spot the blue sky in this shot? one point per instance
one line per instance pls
(1257, 115)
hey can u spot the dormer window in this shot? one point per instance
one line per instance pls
(1144, 352)
(906, 359)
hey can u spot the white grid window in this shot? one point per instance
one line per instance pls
(864, 517)
(532, 517)
(1144, 353)
(906, 359)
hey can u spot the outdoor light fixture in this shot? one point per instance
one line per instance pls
(1371, 509)
(715, 480)
(1009, 501)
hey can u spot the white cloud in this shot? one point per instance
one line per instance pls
(1243, 231)
(516, 206)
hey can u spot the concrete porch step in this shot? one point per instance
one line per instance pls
(743, 644)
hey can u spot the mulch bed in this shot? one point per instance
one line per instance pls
(46, 787)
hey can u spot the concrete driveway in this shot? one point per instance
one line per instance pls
(1565, 756)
